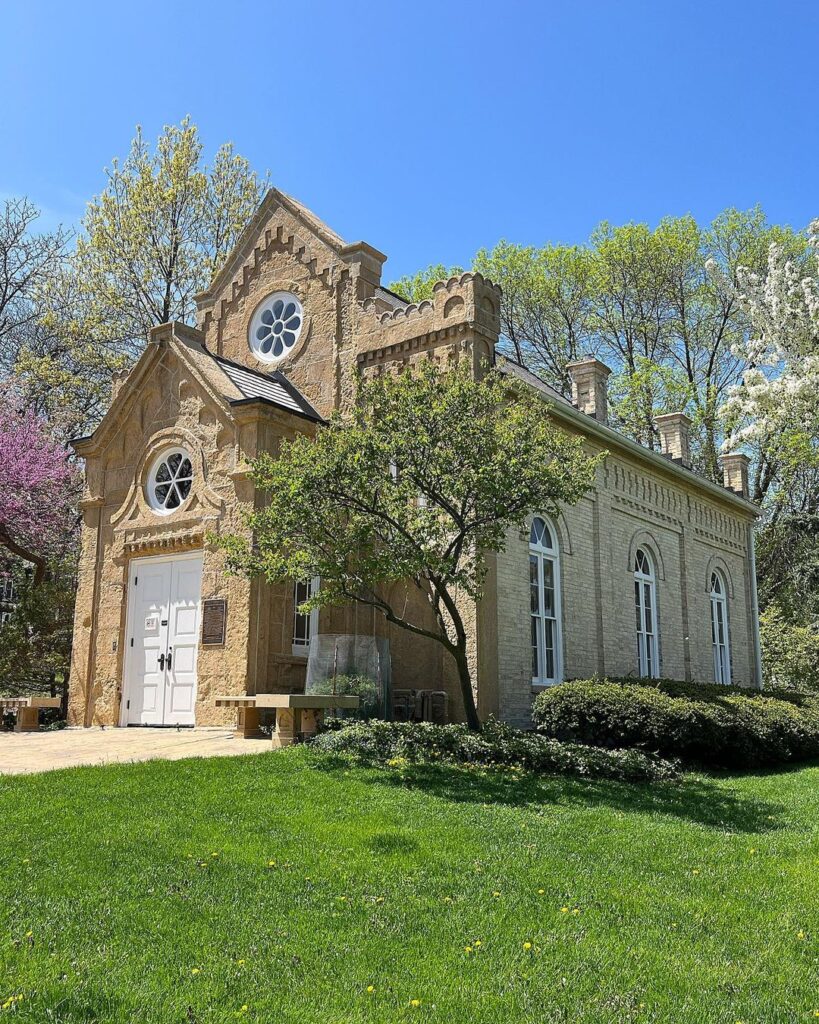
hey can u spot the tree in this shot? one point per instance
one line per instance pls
(642, 300)
(417, 287)
(27, 258)
(38, 491)
(154, 237)
(418, 483)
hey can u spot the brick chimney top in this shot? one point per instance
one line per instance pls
(589, 389)
(674, 428)
(735, 473)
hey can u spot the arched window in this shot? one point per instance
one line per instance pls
(544, 588)
(645, 605)
(719, 629)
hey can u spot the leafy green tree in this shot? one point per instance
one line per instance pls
(417, 287)
(419, 482)
(152, 239)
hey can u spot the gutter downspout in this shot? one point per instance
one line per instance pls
(755, 609)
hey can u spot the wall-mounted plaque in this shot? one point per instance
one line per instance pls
(214, 618)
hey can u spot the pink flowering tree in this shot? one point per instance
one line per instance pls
(38, 491)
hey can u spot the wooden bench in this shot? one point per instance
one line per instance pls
(27, 710)
(298, 715)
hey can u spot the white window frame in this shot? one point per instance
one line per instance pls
(721, 646)
(648, 661)
(545, 555)
(152, 483)
(301, 645)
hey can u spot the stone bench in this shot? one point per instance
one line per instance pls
(298, 715)
(27, 710)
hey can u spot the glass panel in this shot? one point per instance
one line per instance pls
(293, 323)
(535, 669)
(278, 306)
(262, 333)
(534, 589)
(550, 649)
(267, 317)
(163, 474)
(637, 607)
(548, 588)
(278, 327)
(185, 470)
(720, 623)
(289, 310)
(161, 493)
(278, 347)
(266, 344)
(289, 338)
(649, 611)
(184, 488)
(173, 498)
(534, 535)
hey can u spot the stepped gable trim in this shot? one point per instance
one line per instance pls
(181, 338)
(251, 245)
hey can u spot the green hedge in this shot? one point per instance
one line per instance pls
(700, 723)
(498, 745)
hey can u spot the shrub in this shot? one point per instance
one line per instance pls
(498, 745)
(705, 724)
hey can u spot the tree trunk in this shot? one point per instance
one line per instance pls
(39, 563)
(465, 679)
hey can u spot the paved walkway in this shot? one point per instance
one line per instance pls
(22, 753)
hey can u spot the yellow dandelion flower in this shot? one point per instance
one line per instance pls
(196, 970)
(477, 943)
(271, 863)
(379, 899)
(527, 945)
(496, 894)
(26, 860)
(467, 949)
(29, 935)
(564, 910)
(415, 1002)
(214, 854)
(240, 962)
(576, 910)
(696, 871)
(540, 892)
(371, 988)
(800, 935)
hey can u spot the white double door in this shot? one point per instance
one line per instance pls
(162, 640)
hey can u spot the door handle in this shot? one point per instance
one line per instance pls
(170, 655)
(161, 662)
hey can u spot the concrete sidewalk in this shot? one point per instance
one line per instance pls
(23, 753)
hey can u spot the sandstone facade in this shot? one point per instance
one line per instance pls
(206, 392)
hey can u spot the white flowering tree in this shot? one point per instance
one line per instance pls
(776, 405)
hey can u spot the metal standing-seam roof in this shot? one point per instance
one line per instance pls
(273, 387)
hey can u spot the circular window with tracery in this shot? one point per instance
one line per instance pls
(275, 327)
(170, 480)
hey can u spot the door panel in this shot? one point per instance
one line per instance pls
(183, 641)
(163, 621)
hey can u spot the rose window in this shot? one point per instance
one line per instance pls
(170, 480)
(276, 326)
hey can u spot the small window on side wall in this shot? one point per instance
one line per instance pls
(304, 625)
(544, 597)
(720, 642)
(645, 606)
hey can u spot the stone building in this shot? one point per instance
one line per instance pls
(651, 574)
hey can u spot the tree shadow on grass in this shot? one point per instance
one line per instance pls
(700, 801)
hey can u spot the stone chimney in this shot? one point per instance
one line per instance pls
(589, 390)
(735, 473)
(674, 430)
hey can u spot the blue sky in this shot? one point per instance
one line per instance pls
(430, 129)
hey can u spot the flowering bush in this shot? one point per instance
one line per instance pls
(705, 724)
(498, 745)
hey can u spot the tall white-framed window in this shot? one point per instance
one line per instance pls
(719, 629)
(544, 595)
(304, 626)
(645, 606)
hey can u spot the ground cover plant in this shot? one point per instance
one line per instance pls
(297, 886)
(710, 725)
(497, 745)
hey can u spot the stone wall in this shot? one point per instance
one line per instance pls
(687, 533)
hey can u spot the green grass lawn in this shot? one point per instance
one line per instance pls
(291, 888)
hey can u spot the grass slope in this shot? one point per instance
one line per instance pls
(291, 888)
